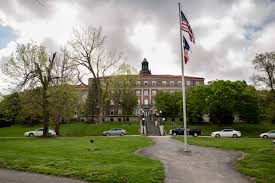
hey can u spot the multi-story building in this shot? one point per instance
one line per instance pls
(147, 87)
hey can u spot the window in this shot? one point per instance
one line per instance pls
(179, 83)
(119, 112)
(172, 91)
(272, 131)
(197, 83)
(137, 92)
(154, 92)
(163, 83)
(171, 83)
(138, 83)
(154, 83)
(112, 102)
(227, 130)
(145, 83)
(138, 101)
(188, 83)
(146, 93)
(146, 102)
(153, 102)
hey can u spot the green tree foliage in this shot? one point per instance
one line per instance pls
(11, 108)
(223, 100)
(169, 103)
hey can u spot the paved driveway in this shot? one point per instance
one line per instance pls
(11, 176)
(201, 165)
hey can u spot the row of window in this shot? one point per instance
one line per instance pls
(153, 92)
(146, 102)
(165, 83)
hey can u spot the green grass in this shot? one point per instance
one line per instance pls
(247, 130)
(74, 129)
(259, 160)
(108, 159)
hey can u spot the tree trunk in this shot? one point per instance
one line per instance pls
(56, 125)
(46, 113)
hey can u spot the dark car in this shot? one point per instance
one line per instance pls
(180, 131)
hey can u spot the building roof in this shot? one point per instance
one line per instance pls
(170, 76)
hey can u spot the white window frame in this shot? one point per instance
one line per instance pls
(146, 94)
(154, 83)
(138, 93)
(164, 83)
(188, 82)
(154, 92)
(172, 83)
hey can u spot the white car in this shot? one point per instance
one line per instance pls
(226, 133)
(270, 134)
(39, 132)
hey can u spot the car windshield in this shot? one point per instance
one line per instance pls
(40, 129)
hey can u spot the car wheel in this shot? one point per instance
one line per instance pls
(122, 134)
(49, 134)
(174, 134)
(217, 135)
(235, 136)
(195, 134)
(108, 134)
(265, 137)
(31, 135)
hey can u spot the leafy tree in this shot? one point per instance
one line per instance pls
(33, 68)
(264, 64)
(222, 100)
(169, 103)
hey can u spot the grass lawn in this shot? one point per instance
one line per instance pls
(74, 129)
(259, 161)
(108, 159)
(247, 130)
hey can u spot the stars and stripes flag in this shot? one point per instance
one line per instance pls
(185, 26)
(186, 50)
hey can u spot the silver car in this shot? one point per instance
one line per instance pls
(270, 134)
(115, 131)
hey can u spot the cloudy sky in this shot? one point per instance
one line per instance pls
(229, 33)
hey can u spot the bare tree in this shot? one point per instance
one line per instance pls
(264, 64)
(90, 53)
(32, 67)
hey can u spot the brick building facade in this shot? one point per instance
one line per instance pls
(147, 87)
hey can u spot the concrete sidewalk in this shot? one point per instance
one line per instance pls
(11, 176)
(201, 165)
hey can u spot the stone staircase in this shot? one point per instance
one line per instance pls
(151, 129)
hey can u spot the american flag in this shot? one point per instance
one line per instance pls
(185, 26)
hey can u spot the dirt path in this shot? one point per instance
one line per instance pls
(11, 176)
(201, 165)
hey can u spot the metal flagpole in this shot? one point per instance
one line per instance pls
(183, 85)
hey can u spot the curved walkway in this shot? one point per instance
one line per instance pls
(11, 176)
(201, 165)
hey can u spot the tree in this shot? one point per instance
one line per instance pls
(90, 54)
(122, 89)
(264, 64)
(33, 68)
(169, 103)
(223, 100)
(63, 104)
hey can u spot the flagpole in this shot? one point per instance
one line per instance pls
(183, 85)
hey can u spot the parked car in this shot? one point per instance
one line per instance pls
(180, 131)
(270, 134)
(115, 131)
(39, 132)
(226, 133)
